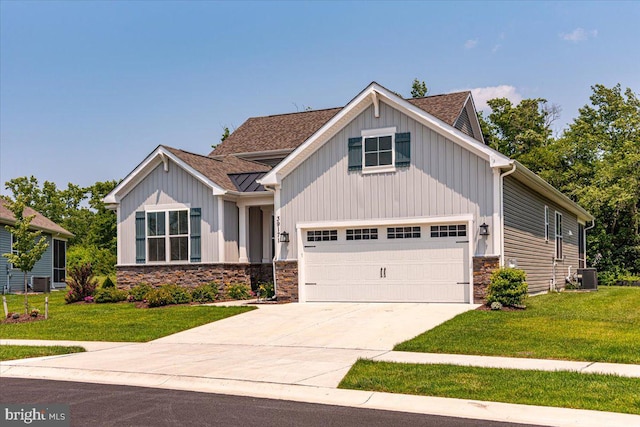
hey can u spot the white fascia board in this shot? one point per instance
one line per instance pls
(451, 219)
(538, 184)
(157, 157)
(322, 135)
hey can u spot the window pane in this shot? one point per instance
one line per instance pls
(151, 224)
(173, 222)
(370, 144)
(184, 227)
(157, 249)
(371, 159)
(179, 248)
(384, 143)
(385, 158)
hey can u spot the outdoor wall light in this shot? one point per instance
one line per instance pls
(484, 229)
(284, 237)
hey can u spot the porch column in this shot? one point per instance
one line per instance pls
(221, 248)
(242, 234)
(267, 224)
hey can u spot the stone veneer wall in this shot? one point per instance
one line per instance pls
(287, 281)
(483, 266)
(190, 275)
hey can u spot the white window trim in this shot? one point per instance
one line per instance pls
(371, 133)
(167, 236)
(546, 223)
(560, 236)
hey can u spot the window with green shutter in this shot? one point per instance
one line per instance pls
(380, 150)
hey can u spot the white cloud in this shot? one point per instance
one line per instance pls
(470, 44)
(482, 94)
(578, 35)
(496, 48)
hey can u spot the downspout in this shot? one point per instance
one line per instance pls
(507, 173)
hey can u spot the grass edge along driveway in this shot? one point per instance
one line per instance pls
(14, 352)
(109, 322)
(602, 326)
(564, 389)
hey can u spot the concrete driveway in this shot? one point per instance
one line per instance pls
(306, 344)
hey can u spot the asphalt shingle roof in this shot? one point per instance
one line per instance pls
(39, 222)
(288, 131)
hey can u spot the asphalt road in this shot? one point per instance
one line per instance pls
(111, 405)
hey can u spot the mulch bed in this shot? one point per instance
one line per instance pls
(24, 318)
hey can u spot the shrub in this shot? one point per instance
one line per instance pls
(266, 290)
(88, 299)
(34, 312)
(167, 295)
(81, 283)
(139, 292)
(159, 296)
(508, 287)
(496, 306)
(239, 291)
(108, 283)
(103, 260)
(104, 295)
(206, 292)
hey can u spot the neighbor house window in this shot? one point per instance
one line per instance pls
(559, 235)
(59, 260)
(546, 223)
(168, 243)
(403, 232)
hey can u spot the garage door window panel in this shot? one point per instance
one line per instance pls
(362, 234)
(459, 230)
(322, 235)
(403, 233)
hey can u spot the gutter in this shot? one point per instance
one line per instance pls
(502, 175)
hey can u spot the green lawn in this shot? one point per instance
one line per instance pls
(13, 352)
(601, 326)
(108, 322)
(561, 389)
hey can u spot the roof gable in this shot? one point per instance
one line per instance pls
(212, 172)
(372, 94)
(39, 222)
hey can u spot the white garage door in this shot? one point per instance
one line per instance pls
(416, 263)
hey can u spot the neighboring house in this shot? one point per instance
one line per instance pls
(385, 199)
(51, 266)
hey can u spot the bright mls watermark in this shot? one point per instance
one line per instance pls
(35, 415)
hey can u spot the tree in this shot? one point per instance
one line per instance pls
(601, 170)
(28, 246)
(225, 134)
(418, 89)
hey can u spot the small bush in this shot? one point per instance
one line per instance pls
(34, 312)
(139, 292)
(239, 291)
(496, 306)
(105, 295)
(266, 290)
(167, 295)
(180, 295)
(508, 287)
(159, 297)
(81, 283)
(108, 283)
(206, 292)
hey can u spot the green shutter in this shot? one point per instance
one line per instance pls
(140, 238)
(355, 153)
(195, 234)
(403, 149)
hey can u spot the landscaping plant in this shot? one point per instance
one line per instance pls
(508, 287)
(104, 295)
(266, 290)
(139, 292)
(81, 283)
(206, 292)
(108, 283)
(239, 291)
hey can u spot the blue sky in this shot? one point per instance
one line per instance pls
(88, 89)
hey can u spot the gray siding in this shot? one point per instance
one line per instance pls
(443, 179)
(524, 236)
(160, 187)
(44, 267)
(231, 250)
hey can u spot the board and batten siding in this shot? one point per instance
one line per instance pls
(160, 188)
(442, 179)
(43, 268)
(524, 236)
(231, 232)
